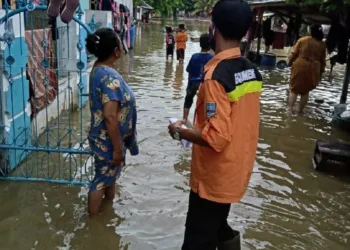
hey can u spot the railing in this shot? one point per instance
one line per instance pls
(43, 91)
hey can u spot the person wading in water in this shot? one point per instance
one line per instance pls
(195, 69)
(170, 43)
(181, 40)
(308, 61)
(225, 134)
(113, 117)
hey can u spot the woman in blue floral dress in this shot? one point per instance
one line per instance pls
(113, 117)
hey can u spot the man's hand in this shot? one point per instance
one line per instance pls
(118, 158)
(173, 127)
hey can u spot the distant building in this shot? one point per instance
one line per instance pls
(143, 12)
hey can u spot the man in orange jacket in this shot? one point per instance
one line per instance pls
(226, 133)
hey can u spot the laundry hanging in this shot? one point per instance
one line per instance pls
(105, 4)
(42, 94)
(123, 28)
(128, 26)
(120, 16)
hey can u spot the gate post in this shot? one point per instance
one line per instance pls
(14, 89)
(83, 88)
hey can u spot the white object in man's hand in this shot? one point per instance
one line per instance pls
(175, 123)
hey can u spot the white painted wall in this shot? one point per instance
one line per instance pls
(17, 21)
(85, 4)
(102, 18)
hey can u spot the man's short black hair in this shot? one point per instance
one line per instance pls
(232, 18)
(181, 26)
(204, 41)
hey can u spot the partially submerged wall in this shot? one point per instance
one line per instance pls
(17, 128)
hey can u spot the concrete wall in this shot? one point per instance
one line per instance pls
(85, 4)
(72, 87)
(15, 109)
(101, 18)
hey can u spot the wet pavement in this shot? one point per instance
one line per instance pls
(288, 205)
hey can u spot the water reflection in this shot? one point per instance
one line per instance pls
(287, 206)
(178, 81)
(168, 73)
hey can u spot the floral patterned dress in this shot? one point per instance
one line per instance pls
(107, 85)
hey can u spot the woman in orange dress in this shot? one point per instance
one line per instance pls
(308, 61)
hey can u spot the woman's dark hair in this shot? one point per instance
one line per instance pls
(102, 43)
(204, 41)
(317, 32)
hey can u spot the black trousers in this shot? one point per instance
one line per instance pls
(206, 224)
(180, 54)
(170, 51)
(191, 92)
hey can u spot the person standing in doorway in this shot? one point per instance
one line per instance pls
(195, 70)
(225, 134)
(113, 117)
(181, 40)
(170, 43)
(308, 61)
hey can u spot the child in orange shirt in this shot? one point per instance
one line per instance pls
(181, 40)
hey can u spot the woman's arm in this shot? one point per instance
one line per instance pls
(294, 55)
(110, 114)
(112, 96)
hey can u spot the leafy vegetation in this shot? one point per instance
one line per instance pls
(166, 8)
(204, 5)
(330, 7)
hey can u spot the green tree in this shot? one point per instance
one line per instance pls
(329, 7)
(137, 2)
(164, 7)
(188, 6)
(204, 5)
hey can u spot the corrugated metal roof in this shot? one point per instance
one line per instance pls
(146, 6)
(265, 1)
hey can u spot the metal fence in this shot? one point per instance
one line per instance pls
(43, 97)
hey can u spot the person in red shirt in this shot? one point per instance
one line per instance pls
(225, 134)
(170, 42)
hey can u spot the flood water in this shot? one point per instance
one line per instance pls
(288, 205)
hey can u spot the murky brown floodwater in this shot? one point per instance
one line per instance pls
(287, 206)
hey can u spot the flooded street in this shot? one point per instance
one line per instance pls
(288, 205)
